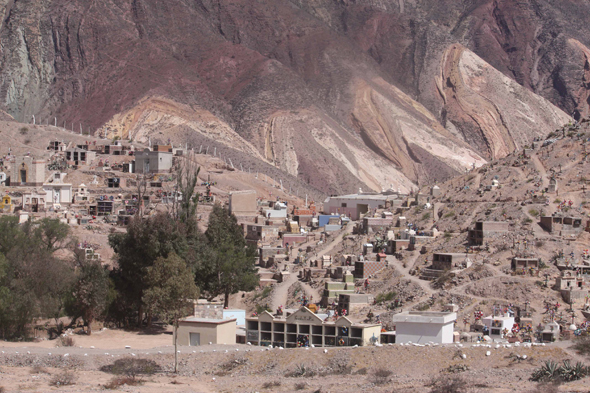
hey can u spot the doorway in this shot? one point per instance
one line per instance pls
(194, 339)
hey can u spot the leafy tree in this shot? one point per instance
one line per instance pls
(187, 178)
(145, 241)
(90, 293)
(52, 233)
(230, 266)
(171, 291)
(33, 282)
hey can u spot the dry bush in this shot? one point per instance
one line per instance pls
(448, 384)
(381, 376)
(271, 384)
(546, 388)
(582, 345)
(65, 341)
(227, 367)
(301, 370)
(66, 378)
(361, 371)
(300, 386)
(39, 370)
(117, 382)
(131, 367)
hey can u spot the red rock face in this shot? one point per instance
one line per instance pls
(340, 94)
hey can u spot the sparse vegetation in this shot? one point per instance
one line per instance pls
(23, 130)
(534, 213)
(385, 297)
(301, 370)
(263, 294)
(381, 376)
(448, 384)
(456, 368)
(300, 385)
(117, 382)
(65, 378)
(552, 371)
(132, 367)
(65, 341)
(449, 214)
(582, 345)
(37, 369)
(271, 384)
(425, 216)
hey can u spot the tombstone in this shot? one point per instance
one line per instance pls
(552, 185)
(435, 191)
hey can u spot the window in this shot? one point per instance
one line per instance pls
(343, 205)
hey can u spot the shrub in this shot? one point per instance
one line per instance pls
(425, 216)
(301, 370)
(527, 221)
(456, 368)
(534, 213)
(552, 371)
(66, 378)
(117, 382)
(448, 384)
(131, 367)
(300, 386)
(381, 376)
(450, 214)
(361, 371)
(582, 345)
(65, 341)
(385, 297)
(448, 235)
(39, 370)
(23, 130)
(270, 385)
(27, 141)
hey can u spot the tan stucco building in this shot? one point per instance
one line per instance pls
(195, 331)
(304, 328)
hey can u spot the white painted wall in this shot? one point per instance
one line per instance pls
(422, 333)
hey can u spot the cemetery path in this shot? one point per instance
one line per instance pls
(436, 208)
(337, 240)
(280, 294)
(467, 223)
(541, 168)
(477, 181)
(425, 285)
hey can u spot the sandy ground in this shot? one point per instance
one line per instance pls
(244, 368)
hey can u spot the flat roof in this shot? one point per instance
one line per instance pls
(208, 320)
(379, 197)
(425, 317)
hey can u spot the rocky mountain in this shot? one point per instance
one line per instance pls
(339, 93)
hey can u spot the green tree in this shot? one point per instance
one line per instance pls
(33, 283)
(52, 233)
(171, 291)
(230, 266)
(146, 240)
(187, 178)
(90, 294)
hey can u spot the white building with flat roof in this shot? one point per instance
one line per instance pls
(423, 327)
(354, 205)
(498, 326)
